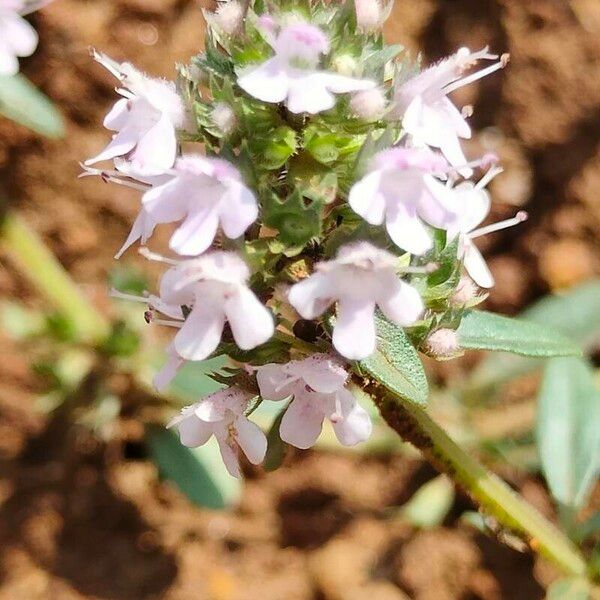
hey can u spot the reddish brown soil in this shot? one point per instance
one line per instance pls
(82, 519)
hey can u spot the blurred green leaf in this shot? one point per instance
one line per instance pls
(482, 330)
(198, 472)
(575, 313)
(20, 322)
(276, 447)
(569, 588)
(396, 363)
(430, 505)
(192, 382)
(568, 429)
(22, 102)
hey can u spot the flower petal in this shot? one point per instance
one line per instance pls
(476, 266)
(192, 431)
(229, 452)
(196, 233)
(302, 422)
(407, 230)
(309, 95)
(355, 425)
(367, 200)
(271, 379)
(251, 321)
(340, 84)
(251, 440)
(118, 115)
(122, 143)
(157, 148)
(267, 82)
(238, 209)
(322, 373)
(19, 36)
(163, 378)
(354, 331)
(201, 332)
(143, 227)
(402, 304)
(311, 296)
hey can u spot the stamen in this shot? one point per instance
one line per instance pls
(147, 253)
(487, 160)
(114, 293)
(467, 111)
(493, 172)
(167, 323)
(477, 75)
(516, 220)
(337, 416)
(113, 177)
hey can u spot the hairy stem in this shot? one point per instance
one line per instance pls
(41, 268)
(489, 492)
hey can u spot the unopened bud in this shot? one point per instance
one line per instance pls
(368, 104)
(442, 343)
(229, 16)
(344, 64)
(224, 118)
(466, 290)
(368, 15)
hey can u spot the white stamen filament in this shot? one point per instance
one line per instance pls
(493, 172)
(147, 253)
(337, 416)
(516, 220)
(477, 75)
(122, 296)
(167, 323)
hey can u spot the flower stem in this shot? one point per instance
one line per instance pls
(40, 267)
(488, 491)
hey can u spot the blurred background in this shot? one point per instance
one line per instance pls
(84, 516)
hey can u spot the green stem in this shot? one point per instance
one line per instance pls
(40, 267)
(495, 497)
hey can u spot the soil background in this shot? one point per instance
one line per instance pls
(83, 519)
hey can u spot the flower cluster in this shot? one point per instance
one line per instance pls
(17, 37)
(331, 188)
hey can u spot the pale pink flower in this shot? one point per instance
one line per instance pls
(359, 278)
(475, 204)
(368, 104)
(429, 117)
(229, 16)
(203, 193)
(145, 119)
(17, 37)
(222, 414)
(317, 386)
(292, 75)
(368, 14)
(214, 287)
(401, 189)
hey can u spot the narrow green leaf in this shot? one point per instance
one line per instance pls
(22, 102)
(198, 472)
(276, 447)
(396, 363)
(487, 331)
(430, 504)
(569, 588)
(568, 430)
(576, 314)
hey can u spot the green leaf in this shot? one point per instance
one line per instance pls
(575, 313)
(396, 363)
(192, 382)
(430, 504)
(22, 102)
(569, 588)
(487, 331)
(198, 472)
(276, 447)
(568, 430)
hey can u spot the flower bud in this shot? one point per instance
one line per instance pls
(442, 343)
(368, 15)
(224, 118)
(368, 104)
(466, 290)
(229, 16)
(344, 64)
